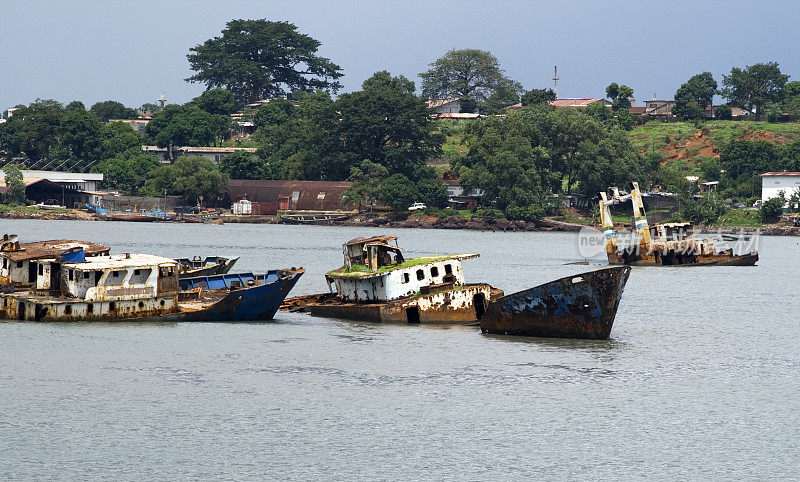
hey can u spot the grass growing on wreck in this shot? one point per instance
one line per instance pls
(359, 270)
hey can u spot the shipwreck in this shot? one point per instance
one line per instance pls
(58, 281)
(668, 244)
(376, 283)
(579, 306)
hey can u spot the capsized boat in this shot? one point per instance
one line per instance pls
(378, 284)
(579, 306)
(211, 265)
(669, 244)
(146, 287)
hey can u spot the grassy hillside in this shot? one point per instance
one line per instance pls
(684, 141)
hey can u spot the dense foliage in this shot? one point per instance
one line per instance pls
(470, 74)
(15, 185)
(260, 59)
(192, 177)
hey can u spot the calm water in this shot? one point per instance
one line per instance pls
(699, 380)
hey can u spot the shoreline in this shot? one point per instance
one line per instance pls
(419, 222)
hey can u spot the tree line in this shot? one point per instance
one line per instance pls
(380, 137)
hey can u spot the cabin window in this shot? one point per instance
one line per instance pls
(5, 263)
(41, 269)
(448, 269)
(71, 275)
(97, 276)
(140, 276)
(19, 264)
(68, 310)
(112, 306)
(434, 272)
(116, 278)
(90, 308)
(406, 277)
(85, 275)
(420, 274)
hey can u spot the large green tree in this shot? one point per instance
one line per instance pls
(398, 192)
(118, 137)
(468, 74)
(387, 124)
(754, 86)
(244, 165)
(261, 59)
(216, 101)
(620, 95)
(188, 125)
(694, 96)
(366, 178)
(190, 177)
(571, 134)
(538, 96)
(79, 138)
(127, 171)
(33, 131)
(111, 109)
(15, 185)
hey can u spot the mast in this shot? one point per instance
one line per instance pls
(607, 222)
(640, 218)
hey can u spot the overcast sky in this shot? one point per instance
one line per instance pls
(132, 51)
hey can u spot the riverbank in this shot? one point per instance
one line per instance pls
(415, 221)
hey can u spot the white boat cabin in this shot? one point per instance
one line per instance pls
(37, 265)
(375, 270)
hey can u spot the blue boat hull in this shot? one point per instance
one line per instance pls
(251, 298)
(580, 306)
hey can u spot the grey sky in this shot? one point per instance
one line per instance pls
(131, 51)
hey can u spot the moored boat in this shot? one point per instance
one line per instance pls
(377, 284)
(579, 306)
(37, 264)
(211, 265)
(146, 287)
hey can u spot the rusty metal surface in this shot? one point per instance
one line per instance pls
(52, 248)
(579, 306)
(449, 306)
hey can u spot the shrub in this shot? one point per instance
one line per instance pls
(705, 210)
(771, 210)
(489, 214)
(723, 112)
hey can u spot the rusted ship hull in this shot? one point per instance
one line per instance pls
(457, 305)
(230, 297)
(580, 306)
(722, 259)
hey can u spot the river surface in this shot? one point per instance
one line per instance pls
(699, 380)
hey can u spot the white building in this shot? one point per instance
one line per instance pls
(76, 181)
(445, 106)
(772, 183)
(213, 154)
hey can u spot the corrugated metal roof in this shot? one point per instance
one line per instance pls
(52, 248)
(784, 173)
(120, 261)
(434, 103)
(310, 195)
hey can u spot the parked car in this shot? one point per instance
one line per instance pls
(738, 206)
(758, 203)
(417, 207)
